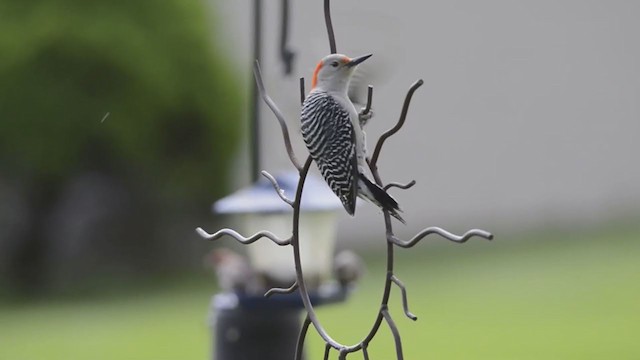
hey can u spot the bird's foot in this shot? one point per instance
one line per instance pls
(364, 117)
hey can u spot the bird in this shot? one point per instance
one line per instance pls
(348, 268)
(332, 131)
(233, 271)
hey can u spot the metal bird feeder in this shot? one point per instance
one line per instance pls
(255, 326)
(259, 207)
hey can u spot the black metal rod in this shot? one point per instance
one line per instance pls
(394, 332)
(285, 53)
(405, 302)
(330, 33)
(254, 127)
(301, 336)
(399, 185)
(369, 99)
(393, 130)
(282, 291)
(279, 116)
(365, 353)
(327, 349)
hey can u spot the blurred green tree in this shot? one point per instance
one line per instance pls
(173, 106)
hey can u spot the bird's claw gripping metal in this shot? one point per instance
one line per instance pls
(364, 116)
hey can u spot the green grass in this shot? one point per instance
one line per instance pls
(153, 325)
(561, 296)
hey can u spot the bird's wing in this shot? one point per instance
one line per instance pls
(328, 132)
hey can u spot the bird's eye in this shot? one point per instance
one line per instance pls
(335, 64)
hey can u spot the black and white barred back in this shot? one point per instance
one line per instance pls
(328, 132)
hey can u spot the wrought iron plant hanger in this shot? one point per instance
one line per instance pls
(293, 241)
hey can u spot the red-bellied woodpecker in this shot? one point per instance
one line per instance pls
(331, 129)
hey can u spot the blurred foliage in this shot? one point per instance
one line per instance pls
(117, 120)
(173, 106)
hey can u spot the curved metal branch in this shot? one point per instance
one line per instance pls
(343, 354)
(244, 240)
(327, 20)
(274, 108)
(327, 348)
(303, 334)
(394, 331)
(400, 186)
(277, 187)
(405, 302)
(444, 233)
(295, 243)
(393, 130)
(365, 114)
(365, 353)
(367, 107)
(282, 291)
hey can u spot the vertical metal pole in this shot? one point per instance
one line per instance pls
(254, 136)
(286, 54)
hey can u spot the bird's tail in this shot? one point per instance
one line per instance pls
(378, 196)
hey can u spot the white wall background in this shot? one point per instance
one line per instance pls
(530, 112)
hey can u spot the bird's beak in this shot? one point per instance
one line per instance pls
(358, 60)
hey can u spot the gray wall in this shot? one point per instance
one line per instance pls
(529, 115)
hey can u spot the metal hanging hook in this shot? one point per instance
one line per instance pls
(286, 54)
